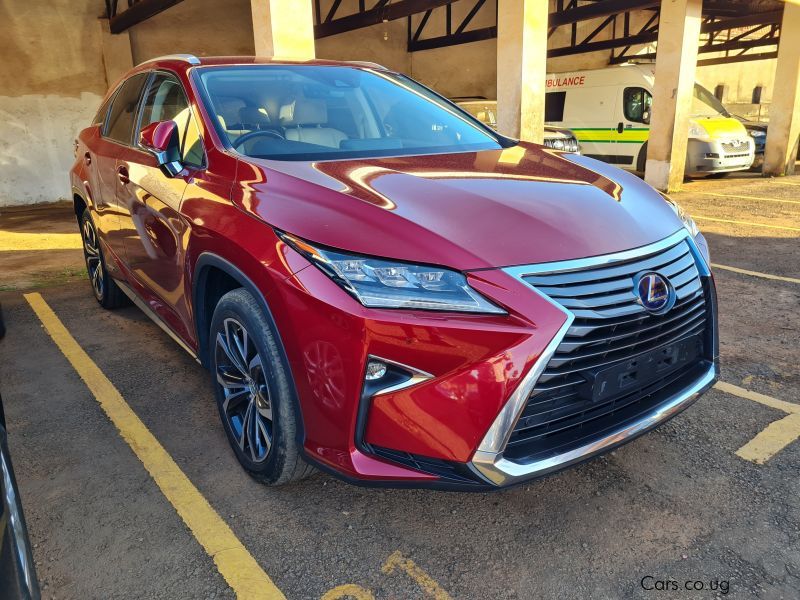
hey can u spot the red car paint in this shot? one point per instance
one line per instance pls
(471, 211)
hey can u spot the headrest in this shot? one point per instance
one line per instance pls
(250, 115)
(228, 108)
(304, 112)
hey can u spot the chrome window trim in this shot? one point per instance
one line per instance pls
(488, 460)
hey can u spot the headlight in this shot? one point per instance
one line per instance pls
(378, 283)
(688, 222)
(697, 131)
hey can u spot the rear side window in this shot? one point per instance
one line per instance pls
(121, 119)
(166, 101)
(554, 106)
(102, 112)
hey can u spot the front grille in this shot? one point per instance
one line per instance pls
(566, 407)
(736, 147)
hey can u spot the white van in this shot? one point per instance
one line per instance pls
(609, 110)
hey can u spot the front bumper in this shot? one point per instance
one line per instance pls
(719, 156)
(451, 428)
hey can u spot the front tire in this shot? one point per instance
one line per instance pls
(106, 291)
(253, 392)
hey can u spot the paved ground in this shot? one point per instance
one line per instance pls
(677, 504)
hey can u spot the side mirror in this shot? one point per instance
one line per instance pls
(646, 116)
(161, 139)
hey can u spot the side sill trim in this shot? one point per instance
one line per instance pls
(142, 305)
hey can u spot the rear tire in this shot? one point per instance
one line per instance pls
(641, 159)
(106, 291)
(252, 387)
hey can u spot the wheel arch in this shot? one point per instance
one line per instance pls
(208, 286)
(79, 202)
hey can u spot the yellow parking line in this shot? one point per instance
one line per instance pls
(429, 585)
(747, 223)
(746, 197)
(785, 182)
(756, 273)
(13, 241)
(788, 407)
(234, 562)
(775, 436)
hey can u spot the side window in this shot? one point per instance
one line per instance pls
(166, 101)
(119, 125)
(636, 103)
(554, 106)
(102, 112)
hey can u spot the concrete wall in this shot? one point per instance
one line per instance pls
(384, 43)
(52, 82)
(200, 27)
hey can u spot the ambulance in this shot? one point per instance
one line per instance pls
(609, 112)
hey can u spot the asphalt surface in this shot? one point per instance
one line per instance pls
(677, 504)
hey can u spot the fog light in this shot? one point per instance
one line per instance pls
(712, 155)
(375, 370)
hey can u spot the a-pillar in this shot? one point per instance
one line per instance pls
(784, 112)
(283, 28)
(521, 67)
(676, 63)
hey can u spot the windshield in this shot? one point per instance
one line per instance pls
(310, 112)
(705, 104)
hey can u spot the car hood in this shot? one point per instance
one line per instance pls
(474, 210)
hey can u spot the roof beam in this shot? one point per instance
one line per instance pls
(473, 35)
(390, 12)
(598, 9)
(138, 12)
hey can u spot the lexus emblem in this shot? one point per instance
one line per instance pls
(654, 292)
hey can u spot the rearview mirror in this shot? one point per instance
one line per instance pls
(161, 140)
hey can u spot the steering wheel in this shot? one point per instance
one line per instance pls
(258, 133)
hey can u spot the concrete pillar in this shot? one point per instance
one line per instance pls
(117, 54)
(784, 113)
(521, 67)
(676, 62)
(283, 28)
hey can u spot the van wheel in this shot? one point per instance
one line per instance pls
(641, 160)
(254, 396)
(106, 291)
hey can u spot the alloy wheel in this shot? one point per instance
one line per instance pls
(247, 405)
(91, 250)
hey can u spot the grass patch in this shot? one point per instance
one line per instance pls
(46, 279)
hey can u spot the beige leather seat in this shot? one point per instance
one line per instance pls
(305, 119)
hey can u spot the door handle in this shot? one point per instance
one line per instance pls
(619, 127)
(122, 173)
(87, 159)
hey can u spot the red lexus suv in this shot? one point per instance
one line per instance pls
(380, 285)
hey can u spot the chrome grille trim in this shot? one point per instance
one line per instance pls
(679, 258)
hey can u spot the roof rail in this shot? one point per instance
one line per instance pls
(371, 65)
(189, 58)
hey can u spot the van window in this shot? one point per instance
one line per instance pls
(120, 122)
(554, 106)
(635, 102)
